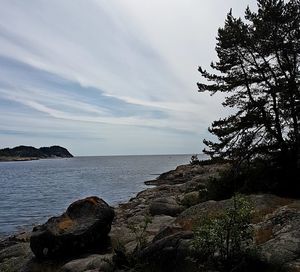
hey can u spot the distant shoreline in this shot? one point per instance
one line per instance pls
(16, 159)
(20, 159)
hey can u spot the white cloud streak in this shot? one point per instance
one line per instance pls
(143, 53)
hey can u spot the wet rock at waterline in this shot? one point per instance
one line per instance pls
(85, 225)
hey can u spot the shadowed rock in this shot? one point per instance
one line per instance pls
(166, 206)
(85, 225)
(169, 253)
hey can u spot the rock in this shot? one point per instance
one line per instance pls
(262, 205)
(169, 253)
(181, 174)
(125, 235)
(195, 184)
(293, 266)
(93, 262)
(15, 257)
(195, 214)
(158, 223)
(166, 206)
(84, 225)
(23, 236)
(166, 231)
(19, 258)
(281, 243)
(185, 173)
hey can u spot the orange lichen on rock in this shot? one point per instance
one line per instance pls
(187, 224)
(65, 223)
(263, 235)
(92, 199)
(261, 212)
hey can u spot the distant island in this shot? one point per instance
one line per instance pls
(26, 153)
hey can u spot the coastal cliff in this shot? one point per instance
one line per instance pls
(24, 153)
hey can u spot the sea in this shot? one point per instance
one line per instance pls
(33, 191)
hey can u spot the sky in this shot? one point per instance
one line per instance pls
(109, 77)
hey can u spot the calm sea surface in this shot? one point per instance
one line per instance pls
(32, 191)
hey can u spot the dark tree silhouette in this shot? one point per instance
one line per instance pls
(258, 69)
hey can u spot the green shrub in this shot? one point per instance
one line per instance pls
(222, 243)
(190, 199)
(258, 176)
(222, 187)
(270, 177)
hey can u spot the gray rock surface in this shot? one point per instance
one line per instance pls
(93, 262)
(15, 257)
(281, 236)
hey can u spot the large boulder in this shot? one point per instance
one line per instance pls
(85, 225)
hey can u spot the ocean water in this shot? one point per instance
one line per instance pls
(32, 191)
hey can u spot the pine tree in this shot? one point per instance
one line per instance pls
(258, 69)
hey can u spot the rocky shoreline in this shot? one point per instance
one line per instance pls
(162, 217)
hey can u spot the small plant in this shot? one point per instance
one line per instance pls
(130, 261)
(222, 242)
(139, 231)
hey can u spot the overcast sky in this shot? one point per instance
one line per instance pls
(108, 77)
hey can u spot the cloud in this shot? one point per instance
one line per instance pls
(47, 93)
(109, 66)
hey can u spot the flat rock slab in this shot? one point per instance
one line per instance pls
(85, 225)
